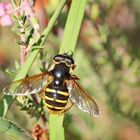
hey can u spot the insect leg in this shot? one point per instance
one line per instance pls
(68, 107)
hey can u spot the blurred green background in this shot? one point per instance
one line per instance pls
(108, 64)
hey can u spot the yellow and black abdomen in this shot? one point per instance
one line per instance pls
(56, 98)
(56, 94)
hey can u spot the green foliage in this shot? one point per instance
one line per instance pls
(32, 109)
(16, 3)
(67, 120)
(73, 25)
(12, 130)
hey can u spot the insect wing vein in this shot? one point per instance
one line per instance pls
(81, 99)
(26, 86)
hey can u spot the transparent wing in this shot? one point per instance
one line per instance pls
(81, 99)
(26, 86)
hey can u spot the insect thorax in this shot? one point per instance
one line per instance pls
(61, 71)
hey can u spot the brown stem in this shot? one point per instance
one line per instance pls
(23, 54)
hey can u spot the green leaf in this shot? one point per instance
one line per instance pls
(37, 47)
(10, 72)
(27, 27)
(14, 3)
(24, 18)
(19, 3)
(12, 130)
(16, 31)
(17, 65)
(73, 25)
(14, 18)
(19, 42)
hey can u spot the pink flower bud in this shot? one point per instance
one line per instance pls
(5, 14)
(9, 8)
(5, 20)
(2, 9)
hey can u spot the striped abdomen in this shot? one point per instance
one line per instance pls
(56, 100)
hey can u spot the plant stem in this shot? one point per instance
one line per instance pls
(68, 45)
(56, 128)
(73, 26)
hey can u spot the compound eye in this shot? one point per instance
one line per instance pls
(58, 58)
(68, 61)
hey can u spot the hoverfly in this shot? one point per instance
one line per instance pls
(58, 87)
